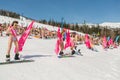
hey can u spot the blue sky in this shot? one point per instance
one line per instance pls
(73, 11)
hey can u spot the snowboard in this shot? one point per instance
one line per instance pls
(65, 56)
(16, 61)
(78, 52)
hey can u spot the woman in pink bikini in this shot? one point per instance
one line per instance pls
(11, 31)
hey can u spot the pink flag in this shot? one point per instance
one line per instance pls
(87, 41)
(104, 42)
(24, 37)
(59, 35)
(110, 42)
(67, 40)
(57, 47)
(58, 41)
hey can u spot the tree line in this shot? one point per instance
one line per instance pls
(84, 28)
(9, 14)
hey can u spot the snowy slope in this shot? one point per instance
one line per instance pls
(108, 24)
(24, 22)
(102, 65)
(111, 24)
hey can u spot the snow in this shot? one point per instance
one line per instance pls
(111, 24)
(25, 22)
(104, 24)
(101, 65)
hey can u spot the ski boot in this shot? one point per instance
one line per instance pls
(73, 52)
(79, 52)
(17, 56)
(60, 54)
(7, 57)
(75, 47)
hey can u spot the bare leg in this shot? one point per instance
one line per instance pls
(16, 46)
(16, 53)
(62, 48)
(72, 49)
(9, 48)
(61, 45)
(9, 45)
